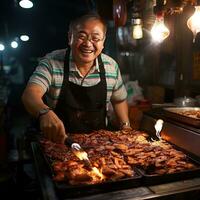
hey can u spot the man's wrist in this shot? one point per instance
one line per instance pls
(43, 111)
(125, 124)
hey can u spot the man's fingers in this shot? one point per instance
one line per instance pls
(62, 134)
(53, 128)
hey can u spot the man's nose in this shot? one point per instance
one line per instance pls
(88, 40)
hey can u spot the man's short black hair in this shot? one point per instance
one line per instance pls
(85, 18)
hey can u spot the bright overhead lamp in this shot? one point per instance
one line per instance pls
(14, 44)
(193, 22)
(24, 38)
(2, 47)
(159, 31)
(26, 4)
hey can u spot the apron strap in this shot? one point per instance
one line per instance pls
(102, 76)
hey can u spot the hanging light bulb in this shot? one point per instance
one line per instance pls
(26, 4)
(14, 44)
(136, 20)
(2, 47)
(159, 31)
(137, 29)
(193, 22)
(24, 38)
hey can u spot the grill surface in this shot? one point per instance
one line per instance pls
(178, 134)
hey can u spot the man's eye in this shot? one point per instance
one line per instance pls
(96, 39)
(81, 36)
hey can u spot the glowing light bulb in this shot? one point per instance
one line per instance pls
(137, 29)
(24, 38)
(14, 44)
(2, 47)
(193, 22)
(26, 4)
(159, 31)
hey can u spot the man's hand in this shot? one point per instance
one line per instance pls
(126, 126)
(52, 127)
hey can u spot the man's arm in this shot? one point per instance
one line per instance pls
(121, 111)
(32, 99)
(51, 126)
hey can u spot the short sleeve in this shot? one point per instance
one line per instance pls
(42, 74)
(119, 90)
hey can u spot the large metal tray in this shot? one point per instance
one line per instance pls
(175, 113)
(66, 190)
(152, 179)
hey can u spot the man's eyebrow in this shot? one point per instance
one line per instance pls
(82, 32)
(94, 33)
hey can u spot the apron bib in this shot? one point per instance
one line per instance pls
(82, 109)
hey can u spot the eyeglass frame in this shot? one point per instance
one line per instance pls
(88, 37)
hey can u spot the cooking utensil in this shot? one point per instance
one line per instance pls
(79, 152)
(69, 142)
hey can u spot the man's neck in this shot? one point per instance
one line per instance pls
(84, 69)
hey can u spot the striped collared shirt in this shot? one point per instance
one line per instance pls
(50, 72)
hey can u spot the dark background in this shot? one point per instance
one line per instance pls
(46, 23)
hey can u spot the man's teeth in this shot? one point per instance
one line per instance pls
(87, 51)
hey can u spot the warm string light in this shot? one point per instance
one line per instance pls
(193, 22)
(137, 29)
(136, 20)
(159, 31)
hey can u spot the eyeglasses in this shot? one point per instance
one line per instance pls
(94, 38)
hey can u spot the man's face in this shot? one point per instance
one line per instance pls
(87, 42)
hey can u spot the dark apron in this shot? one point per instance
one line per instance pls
(82, 109)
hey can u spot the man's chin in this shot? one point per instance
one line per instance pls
(87, 58)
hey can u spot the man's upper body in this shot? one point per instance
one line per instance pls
(49, 76)
(82, 68)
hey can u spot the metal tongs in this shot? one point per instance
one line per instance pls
(79, 152)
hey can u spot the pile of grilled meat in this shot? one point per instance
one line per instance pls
(115, 155)
(190, 113)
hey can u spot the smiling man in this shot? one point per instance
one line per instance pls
(77, 83)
